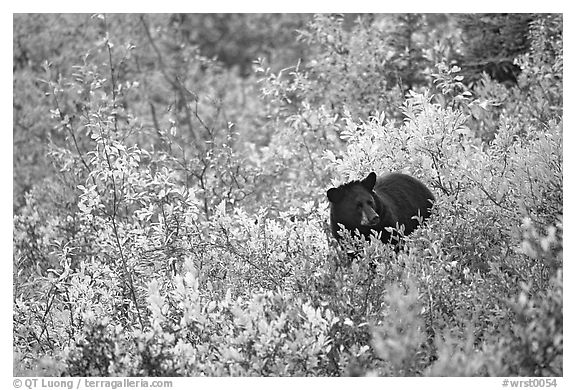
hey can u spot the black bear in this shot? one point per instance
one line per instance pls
(377, 203)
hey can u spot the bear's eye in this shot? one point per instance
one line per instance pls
(359, 206)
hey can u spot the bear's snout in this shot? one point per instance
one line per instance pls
(374, 220)
(369, 218)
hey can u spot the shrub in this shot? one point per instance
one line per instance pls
(182, 230)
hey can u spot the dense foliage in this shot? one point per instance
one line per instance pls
(170, 216)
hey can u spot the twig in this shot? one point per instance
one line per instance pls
(115, 201)
(68, 127)
(112, 77)
(174, 82)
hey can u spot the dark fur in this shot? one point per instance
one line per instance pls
(387, 201)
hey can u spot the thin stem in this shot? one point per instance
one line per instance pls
(112, 77)
(115, 201)
(68, 127)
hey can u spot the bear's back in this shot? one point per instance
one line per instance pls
(406, 197)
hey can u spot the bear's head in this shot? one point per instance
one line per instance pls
(353, 204)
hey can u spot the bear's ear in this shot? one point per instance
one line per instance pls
(334, 195)
(370, 181)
